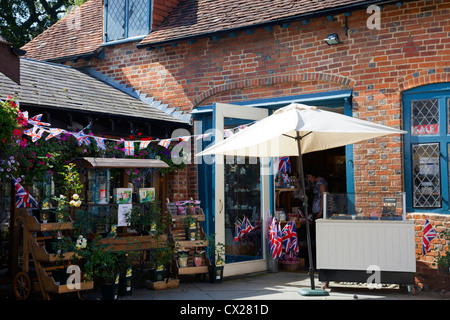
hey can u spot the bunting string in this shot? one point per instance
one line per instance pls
(39, 128)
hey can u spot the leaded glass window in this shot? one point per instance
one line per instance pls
(425, 117)
(426, 175)
(126, 19)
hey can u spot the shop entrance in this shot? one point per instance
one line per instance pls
(241, 196)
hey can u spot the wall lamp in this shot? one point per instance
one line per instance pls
(332, 39)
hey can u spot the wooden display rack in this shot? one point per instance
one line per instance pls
(44, 263)
(179, 237)
(130, 242)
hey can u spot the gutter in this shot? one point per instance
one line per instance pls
(97, 53)
(305, 16)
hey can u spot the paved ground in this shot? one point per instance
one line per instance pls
(275, 286)
(281, 286)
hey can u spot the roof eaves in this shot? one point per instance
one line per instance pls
(303, 16)
(97, 53)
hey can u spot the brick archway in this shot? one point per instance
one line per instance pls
(424, 77)
(274, 80)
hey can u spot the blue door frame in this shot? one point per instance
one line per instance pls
(442, 93)
(205, 116)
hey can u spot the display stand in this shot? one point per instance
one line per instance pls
(45, 264)
(181, 243)
(124, 240)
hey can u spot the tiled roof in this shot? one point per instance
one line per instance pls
(57, 86)
(199, 17)
(79, 33)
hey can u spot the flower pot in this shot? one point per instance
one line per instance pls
(110, 291)
(157, 275)
(215, 274)
(191, 234)
(198, 259)
(125, 283)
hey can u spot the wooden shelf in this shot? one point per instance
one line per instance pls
(32, 236)
(34, 226)
(131, 243)
(179, 237)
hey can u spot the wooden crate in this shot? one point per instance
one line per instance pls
(168, 283)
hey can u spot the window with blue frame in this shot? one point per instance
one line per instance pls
(426, 113)
(126, 19)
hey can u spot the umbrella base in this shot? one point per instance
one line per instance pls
(313, 292)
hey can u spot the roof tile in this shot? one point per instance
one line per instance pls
(80, 32)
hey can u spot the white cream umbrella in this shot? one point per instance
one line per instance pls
(295, 130)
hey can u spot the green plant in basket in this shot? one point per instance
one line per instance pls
(216, 250)
(443, 260)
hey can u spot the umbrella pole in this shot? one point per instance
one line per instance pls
(312, 291)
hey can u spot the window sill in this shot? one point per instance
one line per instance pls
(132, 39)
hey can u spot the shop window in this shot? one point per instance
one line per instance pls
(427, 147)
(126, 19)
(425, 117)
(426, 175)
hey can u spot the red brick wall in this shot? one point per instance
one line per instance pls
(428, 275)
(412, 48)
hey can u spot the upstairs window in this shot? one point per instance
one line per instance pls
(126, 19)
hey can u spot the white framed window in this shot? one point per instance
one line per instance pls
(126, 20)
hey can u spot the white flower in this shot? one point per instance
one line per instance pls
(78, 203)
(62, 196)
(75, 197)
(72, 203)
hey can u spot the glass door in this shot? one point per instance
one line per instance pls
(242, 196)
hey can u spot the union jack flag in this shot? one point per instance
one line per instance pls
(428, 234)
(185, 138)
(242, 127)
(284, 164)
(237, 231)
(100, 142)
(202, 136)
(23, 198)
(289, 237)
(165, 143)
(36, 120)
(227, 133)
(54, 132)
(35, 133)
(275, 243)
(81, 138)
(143, 144)
(129, 148)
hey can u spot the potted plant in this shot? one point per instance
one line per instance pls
(163, 255)
(198, 258)
(125, 269)
(190, 225)
(105, 266)
(217, 258)
(183, 256)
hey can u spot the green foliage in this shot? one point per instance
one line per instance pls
(443, 261)
(10, 138)
(142, 218)
(216, 250)
(189, 222)
(21, 21)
